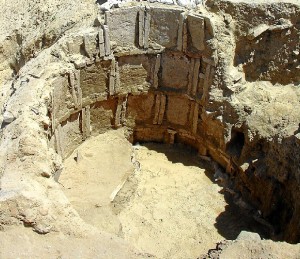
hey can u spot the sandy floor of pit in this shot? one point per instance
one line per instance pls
(157, 197)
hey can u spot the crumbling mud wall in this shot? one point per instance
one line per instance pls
(169, 75)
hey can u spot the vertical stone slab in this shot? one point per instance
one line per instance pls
(156, 70)
(195, 118)
(121, 111)
(74, 81)
(156, 109)
(147, 27)
(117, 77)
(106, 40)
(141, 15)
(118, 116)
(112, 78)
(57, 134)
(106, 17)
(206, 82)
(195, 76)
(180, 32)
(184, 37)
(78, 88)
(73, 90)
(163, 100)
(101, 43)
(86, 121)
(53, 122)
(200, 84)
(83, 123)
(190, 77)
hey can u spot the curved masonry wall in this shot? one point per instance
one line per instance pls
(158, 92)
(155, 75)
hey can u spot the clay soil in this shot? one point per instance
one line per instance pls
(162, 199)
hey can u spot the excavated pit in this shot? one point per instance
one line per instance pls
(194, 80)
(164, 199)
(160, 87)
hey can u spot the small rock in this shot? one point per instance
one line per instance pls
(42, 229)
(78, 157)
(8, 117)
(43, 211)
(46, 174)
(244, 235)
(256, 31)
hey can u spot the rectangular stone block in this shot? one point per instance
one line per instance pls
(206, 82)
(196, 30)
(134, 72)
(178, 110)
(140, 107)
(70, 135)
(123, 26)
(94, 80)
(175, 71)
(90, 43)
(74, 44)
(102, 116)
(164, 26)
(62, 100)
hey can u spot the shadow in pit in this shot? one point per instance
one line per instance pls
(234, 218)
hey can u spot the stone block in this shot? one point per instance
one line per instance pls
(94, 80)
(102, 116)
(195, 26)
(178, 109)
(62, 100)
(122, 24)
(164, 26)
(90, 43)
(70, 135)
(175, 70)
(140, 107)
(134, 72)
(74, 44)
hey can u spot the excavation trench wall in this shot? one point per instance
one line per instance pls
(153, 75)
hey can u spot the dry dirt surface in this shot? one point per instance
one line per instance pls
(160, 198)
(164, 208)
